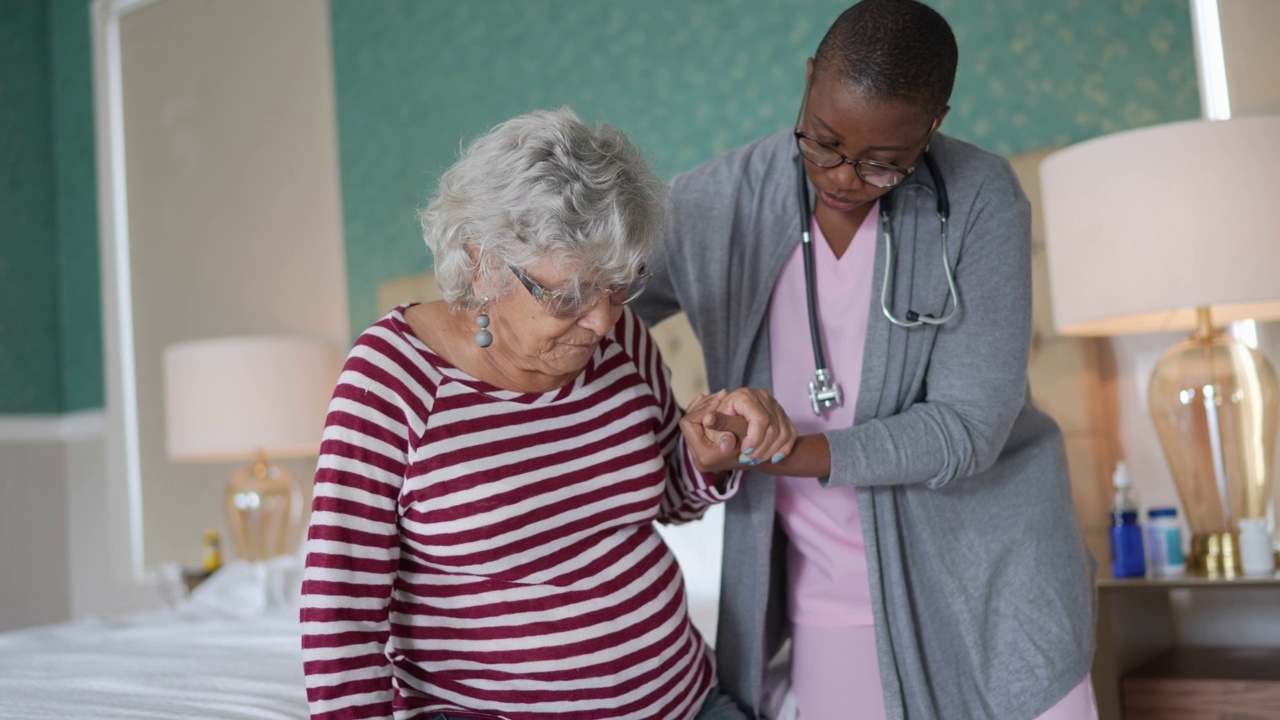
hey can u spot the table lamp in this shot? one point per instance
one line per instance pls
(254, 399)
(1177, 227)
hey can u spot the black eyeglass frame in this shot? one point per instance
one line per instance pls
(565, 304)
(900, 172)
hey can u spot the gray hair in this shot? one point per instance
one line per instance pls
(538, 185)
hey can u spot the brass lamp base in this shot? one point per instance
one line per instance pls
(1215, 554)
(264, 511)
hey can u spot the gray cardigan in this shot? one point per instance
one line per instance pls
(981, 586)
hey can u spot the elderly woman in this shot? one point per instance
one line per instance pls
(482, 541)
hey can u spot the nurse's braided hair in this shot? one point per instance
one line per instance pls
(898, 50)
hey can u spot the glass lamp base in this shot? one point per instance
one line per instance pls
(1214, 403)
(264, 511)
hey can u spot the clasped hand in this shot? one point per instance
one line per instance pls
(731, 430)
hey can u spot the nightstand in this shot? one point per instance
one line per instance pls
(1141, 672)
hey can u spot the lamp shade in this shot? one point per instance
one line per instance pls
(1144, 226)
(229, 398)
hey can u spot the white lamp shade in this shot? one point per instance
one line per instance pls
(1143, 226)
(228, 398)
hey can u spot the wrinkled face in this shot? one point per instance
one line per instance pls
(858, 127)
(528, 338)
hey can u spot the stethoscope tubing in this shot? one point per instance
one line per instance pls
(823, 388)
(914, 319)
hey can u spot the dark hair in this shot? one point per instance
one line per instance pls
(892, 50)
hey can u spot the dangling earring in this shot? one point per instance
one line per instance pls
(484, 338)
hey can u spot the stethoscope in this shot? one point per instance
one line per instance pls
(824, 392)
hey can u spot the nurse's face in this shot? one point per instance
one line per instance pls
(843, 126)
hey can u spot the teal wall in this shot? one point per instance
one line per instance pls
(75, 206)
(28, 238)
(50, 325)
(688, 80)
(416, 78)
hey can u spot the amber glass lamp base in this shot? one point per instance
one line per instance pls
(1213, 400)
(264, 511)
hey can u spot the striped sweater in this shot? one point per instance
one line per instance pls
(492, 554)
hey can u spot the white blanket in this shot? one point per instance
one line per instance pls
(230, 651)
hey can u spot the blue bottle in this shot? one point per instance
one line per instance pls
(1127, 556)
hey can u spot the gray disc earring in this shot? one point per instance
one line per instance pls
(484, 338)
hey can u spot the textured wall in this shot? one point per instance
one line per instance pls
(75, 206)
(416, 79)
(29, 374)
(690, 80)
(50, 310)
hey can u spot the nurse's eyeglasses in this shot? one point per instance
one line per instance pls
(872, 172)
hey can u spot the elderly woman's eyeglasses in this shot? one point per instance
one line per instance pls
(575, 303)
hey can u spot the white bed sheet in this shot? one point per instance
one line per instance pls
(230, 651)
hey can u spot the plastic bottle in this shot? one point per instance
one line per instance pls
(1127, 557)
(1256, 554)
(1164, 542)
(212, 559)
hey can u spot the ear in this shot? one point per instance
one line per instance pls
(808, 72)
(937, 122)
(479, 286)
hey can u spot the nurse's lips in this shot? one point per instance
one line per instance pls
(836, 203)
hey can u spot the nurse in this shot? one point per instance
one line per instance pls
(918, 546)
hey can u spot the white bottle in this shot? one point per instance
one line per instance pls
(1256, 554)
(1164, 542)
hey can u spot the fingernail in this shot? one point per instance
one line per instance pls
(778, 458)
(724, 444)
(748, 451)
(744, 460)
(755, 462)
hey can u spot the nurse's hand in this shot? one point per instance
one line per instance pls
(769, 436)
(745, 427)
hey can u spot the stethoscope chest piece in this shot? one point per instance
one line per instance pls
(823, 393)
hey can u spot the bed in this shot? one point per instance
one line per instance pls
(230, 650)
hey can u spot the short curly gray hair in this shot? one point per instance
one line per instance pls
(538, 185)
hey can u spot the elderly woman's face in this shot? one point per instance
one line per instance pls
(534, 340)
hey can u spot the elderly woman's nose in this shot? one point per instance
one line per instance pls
(600, 317)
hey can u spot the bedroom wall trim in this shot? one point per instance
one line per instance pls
(67, 427)
(121, 465)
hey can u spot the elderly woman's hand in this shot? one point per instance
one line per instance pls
(727, 430)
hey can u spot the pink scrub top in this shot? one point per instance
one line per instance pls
(826, 557)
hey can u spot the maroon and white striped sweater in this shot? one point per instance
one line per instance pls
(492, 554)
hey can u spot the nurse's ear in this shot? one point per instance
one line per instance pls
(937, 123)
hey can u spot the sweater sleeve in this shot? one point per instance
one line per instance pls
(976, 378)
(352, 548)
(688, 492)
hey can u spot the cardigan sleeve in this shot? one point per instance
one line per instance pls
(975, 381)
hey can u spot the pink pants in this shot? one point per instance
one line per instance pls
(835, 668)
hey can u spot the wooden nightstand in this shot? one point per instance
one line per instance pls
(1140, 672)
